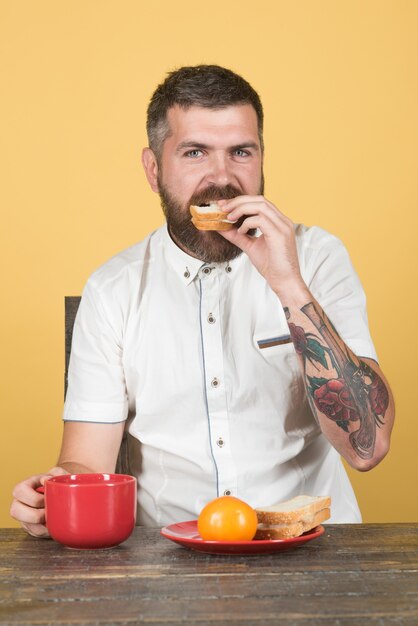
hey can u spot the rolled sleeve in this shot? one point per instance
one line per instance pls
(338, 289)
(96, 381)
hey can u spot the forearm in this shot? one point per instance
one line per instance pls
(348, 395)
(90, 447)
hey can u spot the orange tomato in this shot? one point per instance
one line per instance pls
(227, 519)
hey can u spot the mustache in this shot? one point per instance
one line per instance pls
(213, 192)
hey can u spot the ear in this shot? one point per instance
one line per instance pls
(150, 165)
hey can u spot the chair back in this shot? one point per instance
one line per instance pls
(71, 307)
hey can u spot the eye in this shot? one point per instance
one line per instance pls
(242, 153)
(192, 153)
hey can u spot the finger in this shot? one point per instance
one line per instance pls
(247, 204)
(36, 530)
(239, 201)
(263, 223)
(25, 491)
(23, 513)
(258, 209)
(251, 222)
(244, 242)
(54, 471)
(227, 205)
(246, 211)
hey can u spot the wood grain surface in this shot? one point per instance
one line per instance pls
(352, 575)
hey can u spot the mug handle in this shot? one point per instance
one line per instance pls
(40, 489)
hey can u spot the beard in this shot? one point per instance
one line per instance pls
(208, 246)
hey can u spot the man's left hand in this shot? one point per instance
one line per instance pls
(273, 253)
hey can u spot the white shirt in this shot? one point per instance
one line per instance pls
(182, 349)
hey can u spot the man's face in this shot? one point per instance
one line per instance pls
(210, 154)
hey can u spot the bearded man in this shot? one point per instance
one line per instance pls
(239, 361)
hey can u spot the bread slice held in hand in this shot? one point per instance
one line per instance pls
(210, 217)
(293, 517)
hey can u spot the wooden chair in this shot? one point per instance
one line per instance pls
(71, 308)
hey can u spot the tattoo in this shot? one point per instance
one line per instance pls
(356, 394)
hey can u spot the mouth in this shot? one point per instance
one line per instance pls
(213, 193)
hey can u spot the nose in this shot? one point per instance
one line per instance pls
(220, 170)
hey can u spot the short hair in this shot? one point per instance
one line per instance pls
(209, 86)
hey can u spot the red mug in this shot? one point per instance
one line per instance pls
(90, 511)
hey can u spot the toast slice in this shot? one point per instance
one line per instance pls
(210, 211)
(293, 510)
(294, 529)
(210, 217)
(212, 224)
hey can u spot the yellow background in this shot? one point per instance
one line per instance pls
(340, 90)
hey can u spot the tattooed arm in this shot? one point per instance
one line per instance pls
(349, 395)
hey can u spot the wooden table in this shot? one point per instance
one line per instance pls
(352, 575)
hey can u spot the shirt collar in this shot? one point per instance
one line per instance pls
(188, 267)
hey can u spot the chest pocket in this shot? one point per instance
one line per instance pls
(279, 364)
(276, 350)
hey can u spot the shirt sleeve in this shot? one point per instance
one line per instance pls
(96, 383)
(335, 284)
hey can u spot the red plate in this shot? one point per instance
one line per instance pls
(186, 535)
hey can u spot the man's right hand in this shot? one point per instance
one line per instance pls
(28, 506)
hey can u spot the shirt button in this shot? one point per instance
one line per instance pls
(227, 492)
(211, 319)
(220, 442)
(186, 273)
(215, 382)
(228, 269)
(207, 270)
